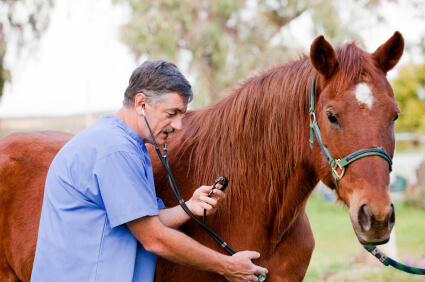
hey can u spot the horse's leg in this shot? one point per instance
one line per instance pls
(290, 260)
(6, 272)
(20, 208)
(6, 275)
(11, 278)
(23, 226)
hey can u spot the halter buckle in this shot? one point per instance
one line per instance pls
(337, 164)
(312, 116)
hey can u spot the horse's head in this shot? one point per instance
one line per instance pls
(355, 109)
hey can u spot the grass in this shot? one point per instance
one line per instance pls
(337, 251)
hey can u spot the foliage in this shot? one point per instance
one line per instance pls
(21, 23)
(409, 89)
(225, 40)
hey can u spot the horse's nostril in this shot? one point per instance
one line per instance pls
(391, 222)
(365, 218)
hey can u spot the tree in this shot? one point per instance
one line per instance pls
(21, 23)
(409, 89)
(225, 40)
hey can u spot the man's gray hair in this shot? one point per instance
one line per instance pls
(156, 79)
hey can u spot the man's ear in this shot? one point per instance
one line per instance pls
(139, 102)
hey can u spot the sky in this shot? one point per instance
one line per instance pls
(80, 66)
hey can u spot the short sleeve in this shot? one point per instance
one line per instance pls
(125, 189)
(161, 204)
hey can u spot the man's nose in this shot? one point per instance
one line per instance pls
(177, 124)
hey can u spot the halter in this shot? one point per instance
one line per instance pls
(340, 164)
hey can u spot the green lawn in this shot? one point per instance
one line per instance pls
(335, 257)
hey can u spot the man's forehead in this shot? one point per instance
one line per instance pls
(176, 102)
(177, 109)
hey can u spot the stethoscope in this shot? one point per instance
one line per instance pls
(222, 180)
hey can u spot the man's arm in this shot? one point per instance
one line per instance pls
(176, 216)
(179, 248)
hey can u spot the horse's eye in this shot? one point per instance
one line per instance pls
(332, 119)
(396, 117)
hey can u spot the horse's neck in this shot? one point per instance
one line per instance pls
(265, 154)
(296, 192)
(259, 133)
(290, 157)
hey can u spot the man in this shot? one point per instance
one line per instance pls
(101, 219)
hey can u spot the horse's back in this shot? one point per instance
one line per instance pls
(22, 143)
(25, 155)
(25, 158)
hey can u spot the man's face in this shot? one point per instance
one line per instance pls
(165, 117)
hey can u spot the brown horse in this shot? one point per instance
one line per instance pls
(258, 137)
(25, 158)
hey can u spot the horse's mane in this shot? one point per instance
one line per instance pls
(258, 135)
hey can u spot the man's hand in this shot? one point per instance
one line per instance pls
(201, 201)
(241, 268)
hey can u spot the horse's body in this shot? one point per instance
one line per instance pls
(24, 161)
(259, 138)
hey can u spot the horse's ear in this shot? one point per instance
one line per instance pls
(389, 53)
(322, 56)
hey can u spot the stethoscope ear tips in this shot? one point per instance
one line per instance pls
(143, 110)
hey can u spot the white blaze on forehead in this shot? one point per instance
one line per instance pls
(364, 94)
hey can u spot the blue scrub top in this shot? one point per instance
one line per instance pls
(100, 180)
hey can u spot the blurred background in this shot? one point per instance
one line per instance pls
(64, 63)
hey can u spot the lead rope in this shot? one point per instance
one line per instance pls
(389, 261)
(164, 160)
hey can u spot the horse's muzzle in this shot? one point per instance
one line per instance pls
(372, 229)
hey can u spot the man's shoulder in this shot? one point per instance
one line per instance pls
(103, 138)
(102, 141)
